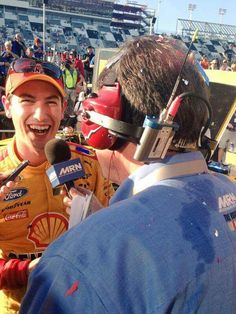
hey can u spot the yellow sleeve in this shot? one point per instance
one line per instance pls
(93, 179)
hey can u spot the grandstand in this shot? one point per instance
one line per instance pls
(213, 38)
(76, 24)
(206, 30)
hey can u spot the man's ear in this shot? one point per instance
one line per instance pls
(7, 106)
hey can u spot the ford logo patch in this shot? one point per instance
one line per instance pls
(15, 194)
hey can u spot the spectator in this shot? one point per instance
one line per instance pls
(78, 64)
(215, 64)
(30, 53)
(204, 62)
(233, 67)
(92, 62)
(229, 53)
(225, 66)
(86, 61)
(6, 58)
(18, 46)
(38, 49)
(64, 57)
(166, 244)
(70, 76)
(33, 215)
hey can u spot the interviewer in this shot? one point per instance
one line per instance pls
(167, 242)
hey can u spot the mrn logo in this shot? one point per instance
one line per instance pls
(70, 169)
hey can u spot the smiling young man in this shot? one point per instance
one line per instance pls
(31, 216)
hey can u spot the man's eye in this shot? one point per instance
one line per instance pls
(26, 101)
(52, 104)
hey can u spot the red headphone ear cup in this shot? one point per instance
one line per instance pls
(97, 136)
(108, 103)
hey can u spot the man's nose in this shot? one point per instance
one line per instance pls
(40, 111)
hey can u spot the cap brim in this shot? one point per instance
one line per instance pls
(15, 80)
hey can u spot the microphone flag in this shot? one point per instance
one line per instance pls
(65, 171)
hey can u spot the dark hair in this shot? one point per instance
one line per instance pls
(147, 70)
(68, 64)
(37, 40)
(73, 52)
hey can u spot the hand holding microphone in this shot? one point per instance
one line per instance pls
(80, 202)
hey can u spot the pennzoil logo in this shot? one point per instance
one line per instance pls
(16, 215)
(46, 228)
(15, 194)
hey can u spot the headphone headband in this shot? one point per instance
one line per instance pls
(115, 127)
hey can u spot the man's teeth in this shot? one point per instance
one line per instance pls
(39, 128)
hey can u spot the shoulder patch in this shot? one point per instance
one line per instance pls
(82, 150)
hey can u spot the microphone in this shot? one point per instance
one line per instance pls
(63, 170)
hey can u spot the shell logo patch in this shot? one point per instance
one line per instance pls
(46, 228)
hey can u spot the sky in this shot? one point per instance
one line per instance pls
(206, 11)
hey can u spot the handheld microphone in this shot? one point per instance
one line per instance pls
(63, 170)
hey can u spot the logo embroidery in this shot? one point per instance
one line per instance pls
(16, 215)
(70, 169)
(226, 201)
(45, 228)
(15, 194)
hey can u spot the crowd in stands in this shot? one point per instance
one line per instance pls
(18, 49)
(78, 69)
(228, 62)
(77, 72)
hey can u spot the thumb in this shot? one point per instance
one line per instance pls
(74, 192)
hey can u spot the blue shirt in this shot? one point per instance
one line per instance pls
(163, 246)
(18, 48)
(38, 52)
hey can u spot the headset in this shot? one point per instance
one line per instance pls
(102, 124)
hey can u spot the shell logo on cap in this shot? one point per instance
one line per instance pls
(46, 228)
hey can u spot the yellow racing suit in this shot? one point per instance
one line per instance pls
(31, 216)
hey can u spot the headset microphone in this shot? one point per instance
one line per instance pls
(63, 170)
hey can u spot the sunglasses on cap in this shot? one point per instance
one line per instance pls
(25, 65)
